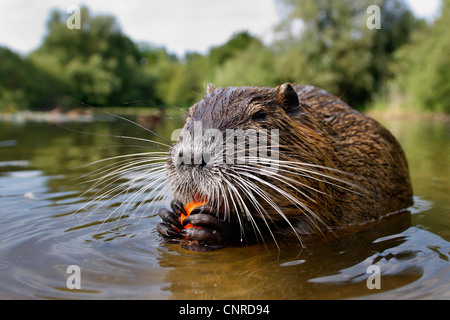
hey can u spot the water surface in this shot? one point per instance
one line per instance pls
(43, 230)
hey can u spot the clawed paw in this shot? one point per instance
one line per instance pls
(202, 230)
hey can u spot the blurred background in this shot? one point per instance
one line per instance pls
(163, 53)
(138, 60)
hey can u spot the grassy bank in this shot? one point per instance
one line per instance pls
(399, 109)
(377, 110)
(92, 114)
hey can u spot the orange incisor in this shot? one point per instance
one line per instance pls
(188, 208)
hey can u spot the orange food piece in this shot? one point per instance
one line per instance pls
(188, 208)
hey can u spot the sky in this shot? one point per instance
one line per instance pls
(179, 25)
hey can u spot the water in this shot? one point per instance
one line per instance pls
(42, 233)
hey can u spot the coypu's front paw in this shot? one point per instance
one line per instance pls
(171, 227)
(207, 232)
(200, 231)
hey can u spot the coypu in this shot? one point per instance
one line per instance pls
(335, 168)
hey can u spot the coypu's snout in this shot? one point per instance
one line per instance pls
(181, 165)
(227, 128)
(193, 166)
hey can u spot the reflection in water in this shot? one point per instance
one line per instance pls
(332, 270)
(121, 256)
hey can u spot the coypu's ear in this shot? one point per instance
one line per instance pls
(210, 88)
(288, 98)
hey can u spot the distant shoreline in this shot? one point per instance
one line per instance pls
(151, 114)
(407, 115)
(146, 115)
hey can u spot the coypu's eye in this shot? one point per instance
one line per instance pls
(259, 116)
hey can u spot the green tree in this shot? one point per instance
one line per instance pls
(398, 24)
(422, 66)
(336, 50)
(12, 74)
(238, 42)
(23, 85)
(97, 63)
(242, 61)
(162, 66)
(187, 85)
(182, 82)
(253, 66)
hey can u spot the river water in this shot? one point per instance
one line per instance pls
(48, 224)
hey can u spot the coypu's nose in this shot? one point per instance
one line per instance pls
(182, 163)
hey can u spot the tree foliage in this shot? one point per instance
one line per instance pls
(97, 64)
(333, 48)
(423, 65)
(252, 64)
(23, 85)
(336, 50)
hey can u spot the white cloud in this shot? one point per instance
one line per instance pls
(180, 25)
(195, 24)
(425, 9)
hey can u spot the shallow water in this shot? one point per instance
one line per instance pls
(42, 233)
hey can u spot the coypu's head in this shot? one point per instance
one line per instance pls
(257, 155)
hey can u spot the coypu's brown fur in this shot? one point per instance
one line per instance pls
(338, 167)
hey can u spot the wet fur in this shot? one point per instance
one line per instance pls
(337, 167)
